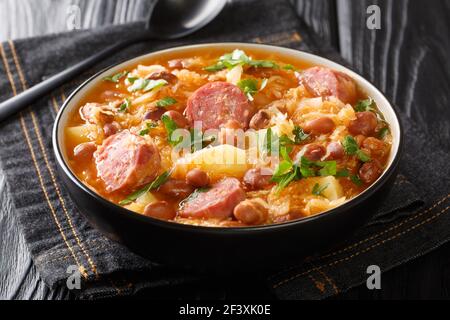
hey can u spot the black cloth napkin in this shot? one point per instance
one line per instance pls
(58, 236)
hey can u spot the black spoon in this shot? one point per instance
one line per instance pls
(168, 19)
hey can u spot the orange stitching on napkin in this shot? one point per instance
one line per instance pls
(330, 281)
(38, 134)
(55, 104)
(418, 215)
(364, 250)
(8, 72)
(385, 231)
(22, 123)
(319, 285)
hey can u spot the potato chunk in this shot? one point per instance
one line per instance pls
(218, 162)
(82, 133)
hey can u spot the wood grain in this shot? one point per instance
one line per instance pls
(28, 18)
(407, 59)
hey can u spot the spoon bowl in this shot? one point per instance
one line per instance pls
(171, 19)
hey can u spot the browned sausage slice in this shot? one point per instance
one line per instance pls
(126, 161)
(321, 81)
(215, 103)
(218, 202)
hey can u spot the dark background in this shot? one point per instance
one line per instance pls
(408, 59)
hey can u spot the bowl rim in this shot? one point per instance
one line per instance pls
(360, 198)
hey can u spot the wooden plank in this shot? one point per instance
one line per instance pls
(407, 58)
(320, 15)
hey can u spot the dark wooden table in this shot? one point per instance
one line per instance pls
(408, 59)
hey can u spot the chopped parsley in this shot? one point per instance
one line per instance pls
(299, 134)
(155, 184)
(272, 140)
(238, 57)
(317, 189)
(365, 105)
(356, 180)
(146, 84)
(263, 64)
(116, 77)
(383, 132)
(149, 125)
(249, 87)
(125, 105)
(165, 102)
(289, 67)
(351, 148)
(342, 173)
(288, 171)
(170, 126)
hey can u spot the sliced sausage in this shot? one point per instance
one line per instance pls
(218, 202)
(318, 126)
(215, 103)
(321, 81)
(126, 161)
(365, 124)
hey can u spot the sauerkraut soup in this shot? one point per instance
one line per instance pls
(223, 138)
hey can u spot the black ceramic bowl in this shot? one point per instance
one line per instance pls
(226, 248)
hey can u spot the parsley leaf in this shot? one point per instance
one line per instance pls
(383, 132)
(342, 173)
(125, 105)
(249, 87)
(238, 57)
(328, 168)
(150, 125)
(299, 134)
(263, 64)
(116, 77)
(146, 84)
(351, 148)
(165, 102)
(170, 126)
(155, 184)
(317, 189)
(356, 180)
(364, 105)
(289, 67)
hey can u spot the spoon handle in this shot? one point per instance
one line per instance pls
(20, 101)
